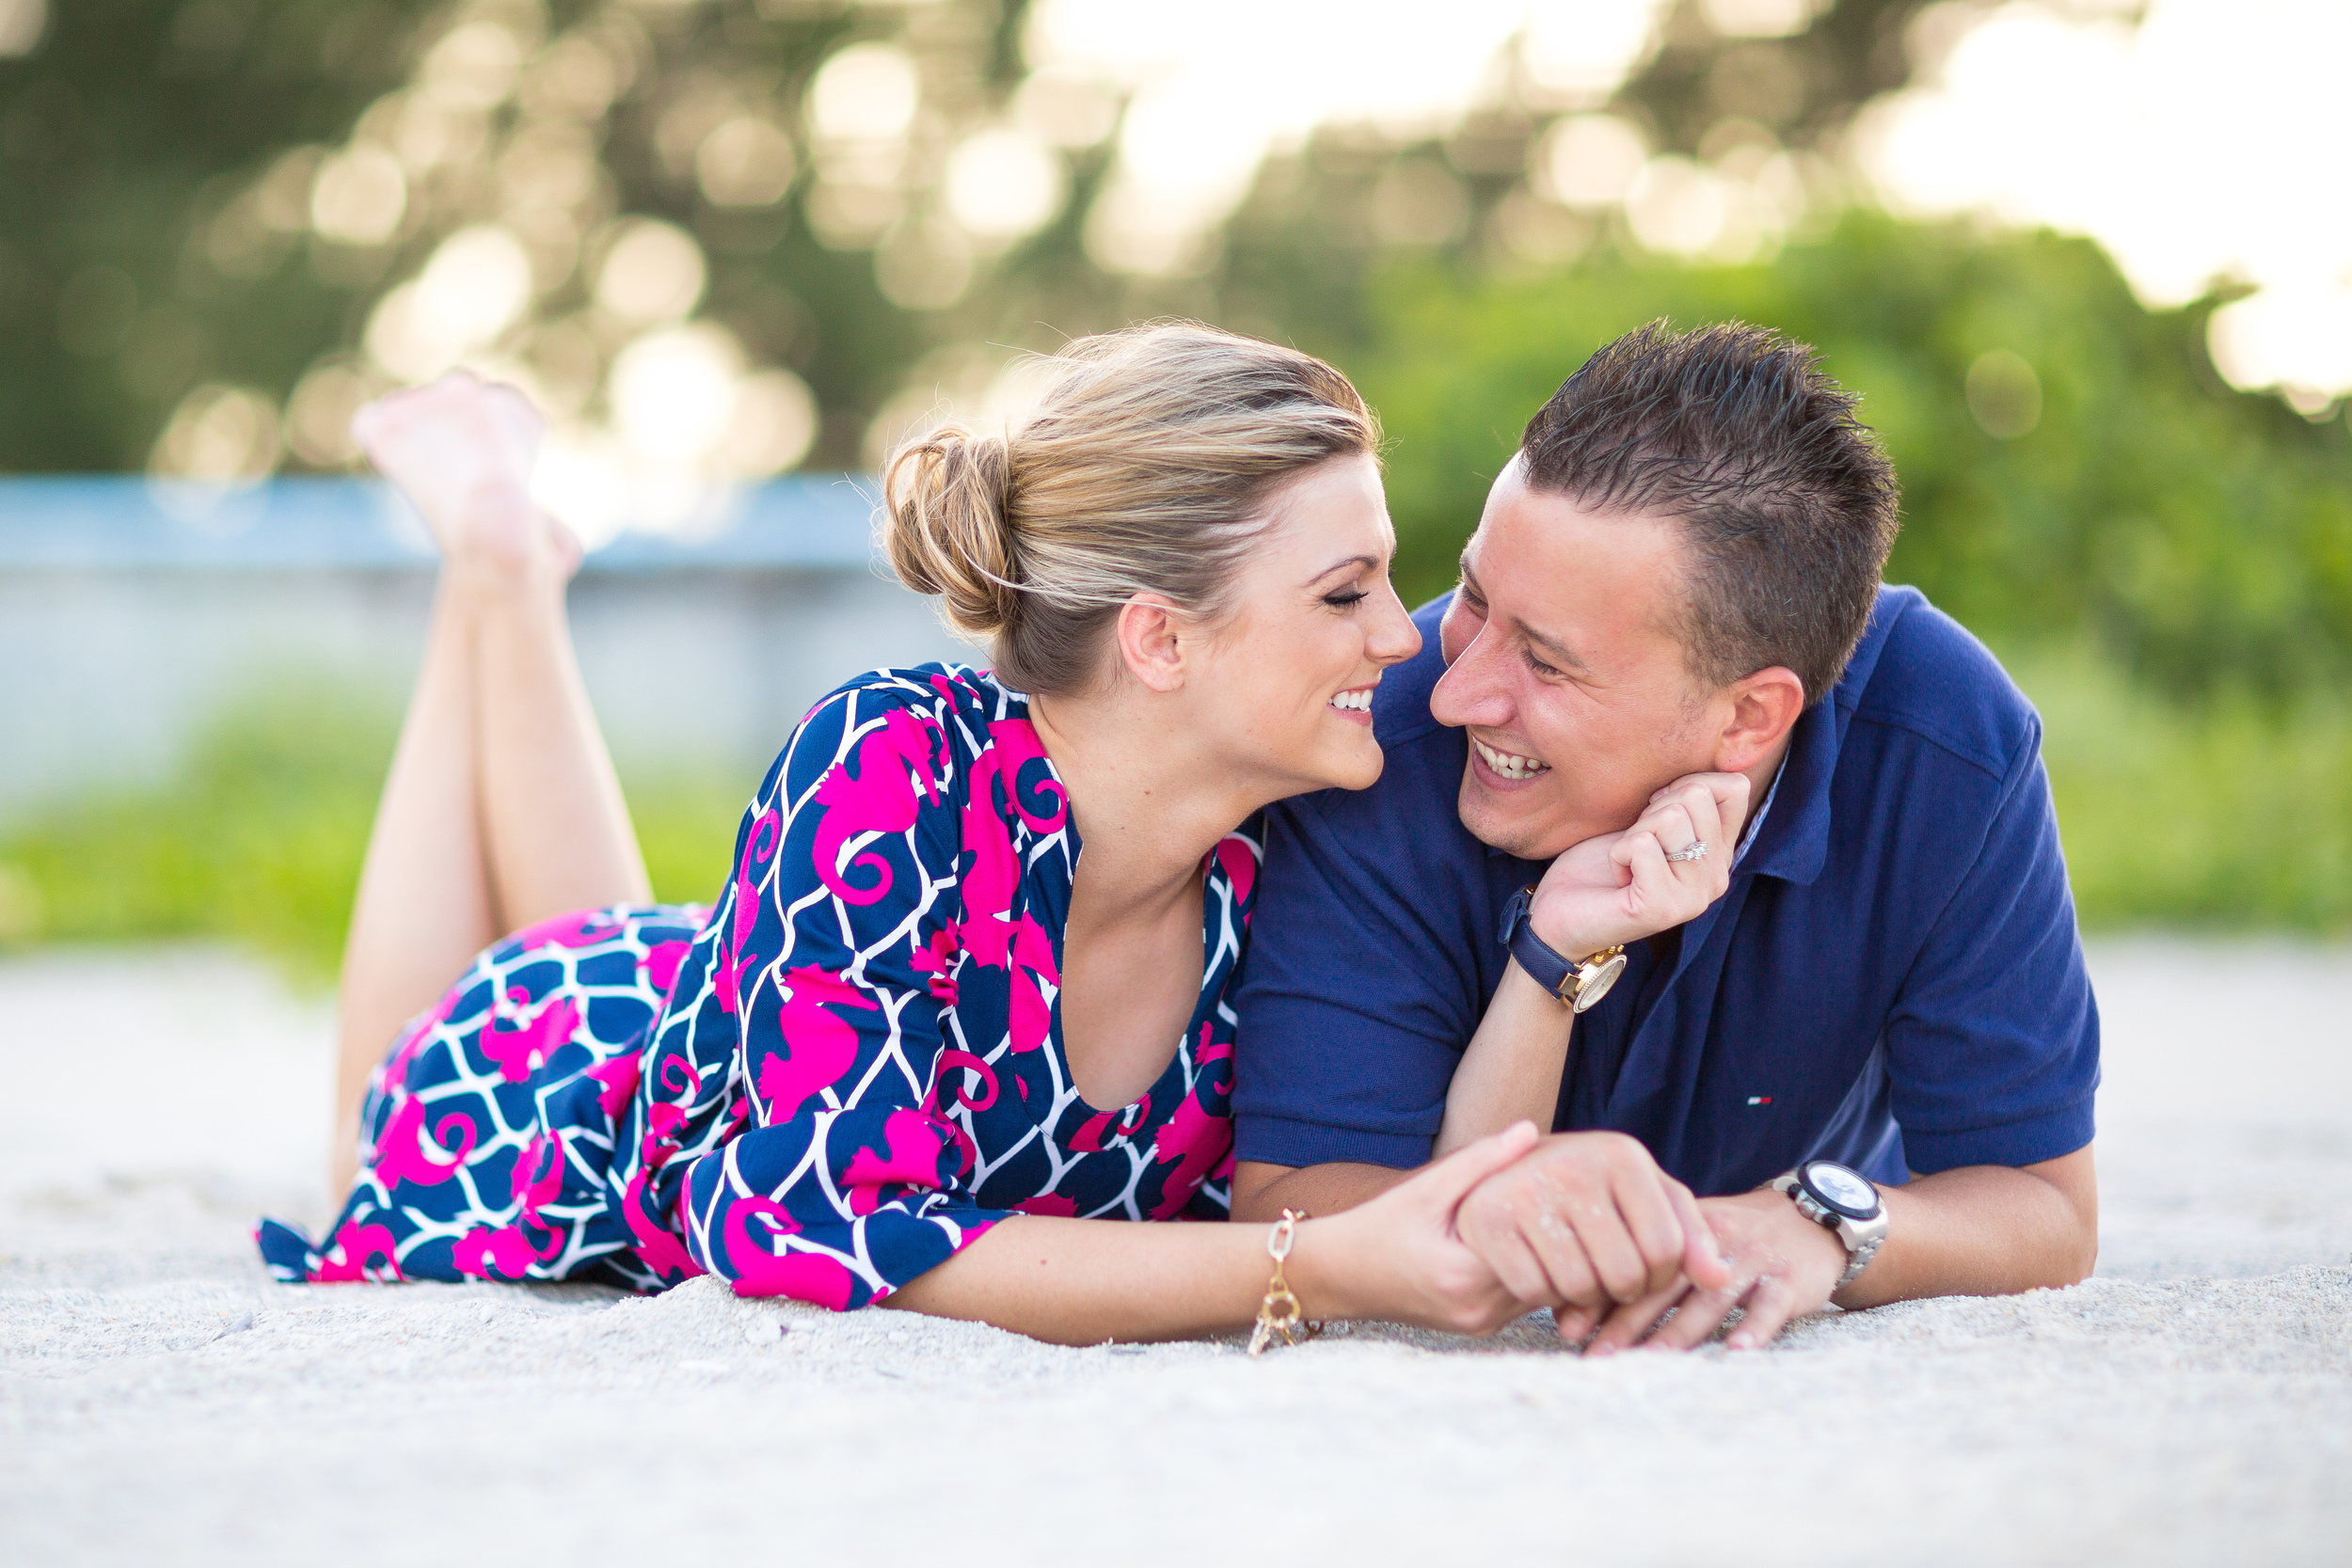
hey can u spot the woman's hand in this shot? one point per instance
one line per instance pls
(1621, 887)
(1399, 1256)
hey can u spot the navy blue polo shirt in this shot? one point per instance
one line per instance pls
(1893, 980)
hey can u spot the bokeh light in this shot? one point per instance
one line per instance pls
(866, 92)
(652, 272)
(22, 25)
(476, 285)
(2201, 146)
(360, 197)
(220, 435)
(1004, 183)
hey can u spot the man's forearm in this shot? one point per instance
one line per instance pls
(1985, 1231)
(1262, 1191)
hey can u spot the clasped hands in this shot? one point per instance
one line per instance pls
(1588, 1225)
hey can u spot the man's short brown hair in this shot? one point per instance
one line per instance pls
(1787, 503)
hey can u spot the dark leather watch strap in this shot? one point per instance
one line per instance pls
(1546, 967)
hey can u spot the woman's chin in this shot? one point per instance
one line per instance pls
(1358, 768)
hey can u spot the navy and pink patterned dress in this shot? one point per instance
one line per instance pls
(832, 1081)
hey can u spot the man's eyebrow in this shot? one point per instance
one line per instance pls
(1551, 644)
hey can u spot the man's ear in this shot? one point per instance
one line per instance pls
(1149, 634)
(1764, 707)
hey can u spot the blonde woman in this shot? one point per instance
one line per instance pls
(921, 1050)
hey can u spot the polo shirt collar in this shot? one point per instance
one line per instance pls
(1793, 843)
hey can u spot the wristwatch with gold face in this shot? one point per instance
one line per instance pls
(1579, 982)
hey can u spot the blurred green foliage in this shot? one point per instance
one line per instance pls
(124, 142)
(257, 837)
(2230, 812)
(2200, 537)
(2166, 562)
(159, 161)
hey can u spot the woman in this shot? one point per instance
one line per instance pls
(921, 1049)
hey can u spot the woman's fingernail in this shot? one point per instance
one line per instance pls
(1601, 1348)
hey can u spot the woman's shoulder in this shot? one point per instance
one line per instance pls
(952, 712)
(938, 689)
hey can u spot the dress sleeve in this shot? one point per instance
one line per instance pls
(843, 1181)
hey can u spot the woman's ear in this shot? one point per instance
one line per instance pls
(1151, 637)
(1764, 707)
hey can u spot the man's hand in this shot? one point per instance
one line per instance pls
(1620, 887)
(1587, 1220)
(1781, 1267)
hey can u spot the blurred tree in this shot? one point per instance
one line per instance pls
(224, 222)
(136, 256)
(2072, 465)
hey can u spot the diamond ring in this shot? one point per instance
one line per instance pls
(1694, 850)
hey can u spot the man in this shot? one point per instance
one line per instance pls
(1671, 608)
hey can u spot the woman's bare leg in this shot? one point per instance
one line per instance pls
(556, 827)
(425, 905)
(501, 808)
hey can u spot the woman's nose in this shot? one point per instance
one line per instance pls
(1394, 638)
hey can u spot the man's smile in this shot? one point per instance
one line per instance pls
(1508, 764)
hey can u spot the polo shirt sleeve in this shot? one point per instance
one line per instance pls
(1993, 1044)
(1362, 982)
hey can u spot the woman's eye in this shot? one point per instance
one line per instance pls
(1343, 599)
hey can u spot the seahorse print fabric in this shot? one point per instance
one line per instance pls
(845, 1071)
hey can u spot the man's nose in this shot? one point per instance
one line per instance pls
(1472, 689)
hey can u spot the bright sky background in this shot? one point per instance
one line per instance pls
(2209, 142)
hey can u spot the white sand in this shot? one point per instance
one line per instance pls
(161, 1402)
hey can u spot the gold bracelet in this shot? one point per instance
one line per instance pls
(1280, 1316)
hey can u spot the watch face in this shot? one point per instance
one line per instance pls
(1841, 1188)
(1605, 976)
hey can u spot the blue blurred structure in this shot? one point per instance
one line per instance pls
(130, 613)
(808, 522)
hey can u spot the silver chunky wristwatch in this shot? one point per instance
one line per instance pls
(1843, 1201)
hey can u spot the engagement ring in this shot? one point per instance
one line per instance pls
(1694, 850)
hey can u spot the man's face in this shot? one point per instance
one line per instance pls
(1563, 663)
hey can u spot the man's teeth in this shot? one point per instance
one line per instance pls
(1509, 766)
(1359, 700)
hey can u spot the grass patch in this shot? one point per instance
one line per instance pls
(2235, 812)
(257, 836)
(2229, 813)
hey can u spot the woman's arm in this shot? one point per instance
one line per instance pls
(1511, 1070)
(1606, 891)
(1083, 1282)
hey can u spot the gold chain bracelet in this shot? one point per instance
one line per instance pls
(1280, 1316)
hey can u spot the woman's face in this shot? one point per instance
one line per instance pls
(1288, 678)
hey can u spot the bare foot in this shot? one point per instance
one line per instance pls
(462, 451)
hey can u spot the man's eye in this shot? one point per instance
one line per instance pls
(1540, 667)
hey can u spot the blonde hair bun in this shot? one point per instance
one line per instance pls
(1142, 464)
(949, 535)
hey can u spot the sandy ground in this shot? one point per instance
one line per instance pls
(160, 1400)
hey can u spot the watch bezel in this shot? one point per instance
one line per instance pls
(1595, 977)
(1843, 1210)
